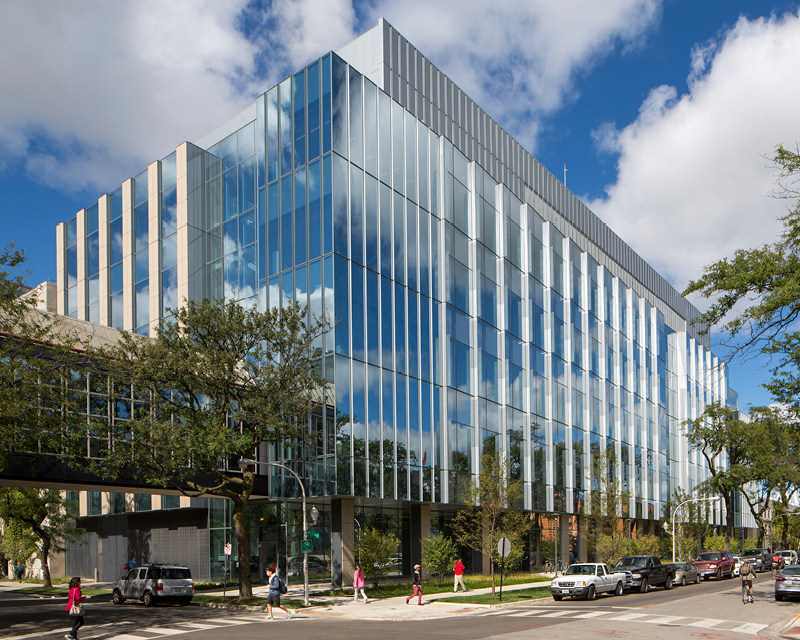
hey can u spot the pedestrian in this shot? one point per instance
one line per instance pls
(747, 574)
(417, 586)
(358, 583)
(274, 597)
(459, 576)
(75, 607)
(20, 570)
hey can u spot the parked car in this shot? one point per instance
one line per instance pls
(787, 583)
(586, 580)
(155, 583)
(737, 562)
(295, 567)
(685, 573)
(760, 559)
(717, 564)
(646, 572)
(789, 557)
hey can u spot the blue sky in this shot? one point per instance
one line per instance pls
(664, 111)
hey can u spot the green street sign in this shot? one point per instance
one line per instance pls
(305, 546)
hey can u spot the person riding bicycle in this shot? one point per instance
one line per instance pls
(747, 574)
(778, 563)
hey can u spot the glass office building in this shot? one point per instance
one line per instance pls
(479, 305)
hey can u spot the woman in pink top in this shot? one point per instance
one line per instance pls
(358, 583)
(75, 597)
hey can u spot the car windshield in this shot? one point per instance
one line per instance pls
(580, 570)
(709, 557)
(684, 566)
(751, 553)
(792, 571)
(632, 562)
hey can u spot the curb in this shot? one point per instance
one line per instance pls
(786, 626)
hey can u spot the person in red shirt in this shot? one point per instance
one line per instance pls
(459, 576)
(75, 597)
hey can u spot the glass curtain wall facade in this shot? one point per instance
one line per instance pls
(478, 305)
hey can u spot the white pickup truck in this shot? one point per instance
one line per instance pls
(586, 580)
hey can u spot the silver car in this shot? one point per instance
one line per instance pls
(686, 573)
(154, 583)
(787, 583)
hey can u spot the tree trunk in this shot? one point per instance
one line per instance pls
(728, 520)
(45, 556)
(243, 541)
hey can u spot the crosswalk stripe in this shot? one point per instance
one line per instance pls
(750, 628)
(592, 614)
(629, 616)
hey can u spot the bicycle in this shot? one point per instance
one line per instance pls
(745, 593)
(548, 567)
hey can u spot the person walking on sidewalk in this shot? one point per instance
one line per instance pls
(417, 586)
(747, 574)
(358, 583)
(459, 576)
(75, 600)
(274, 597)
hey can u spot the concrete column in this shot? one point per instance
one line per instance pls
(563, 538)
(582, 554)
(61, 268)
(420, 529)
(342, 541)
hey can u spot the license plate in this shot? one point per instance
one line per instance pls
(565, 591)
(177, 590)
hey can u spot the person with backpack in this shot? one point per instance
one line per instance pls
(276, 588)
(747, 574)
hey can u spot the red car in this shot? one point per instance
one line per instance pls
(715, 563)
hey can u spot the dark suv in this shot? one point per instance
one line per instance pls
(153, 583)
(760, 559)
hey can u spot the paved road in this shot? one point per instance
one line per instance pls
(710, 611)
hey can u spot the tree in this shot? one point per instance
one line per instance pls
(377, 550)
(37, 353)
(492, 516)
(766, 280)
(18, 542)
(721, 438)
(44, 513)
(439, 555)
(211, 387)
(608, 501)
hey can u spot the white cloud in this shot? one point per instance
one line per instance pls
(519, 59)
(692, 179)
(93, 91)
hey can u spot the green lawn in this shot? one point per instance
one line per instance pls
(517, 595)
(63, 591)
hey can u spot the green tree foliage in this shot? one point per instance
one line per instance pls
(439, 555)
(721, 438)
(765, 280)
(607, 502)
(214, 384)
(18, 542)
(378, 551)
(37, 411)
(43, 513)
(493, 515)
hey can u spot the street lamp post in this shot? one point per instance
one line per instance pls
(676, 511)
(243, 463)
(359, 539)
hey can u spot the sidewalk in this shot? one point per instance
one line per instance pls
(342, 606)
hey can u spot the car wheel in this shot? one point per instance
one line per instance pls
(618, 589)
(668, 583)
(557, 598)
(592, 593)
(778, 598)
(683, 581)
(185, 601)
(719, 573)
(644, 588)
(147, 598)
(697, 578)
(118, 597)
